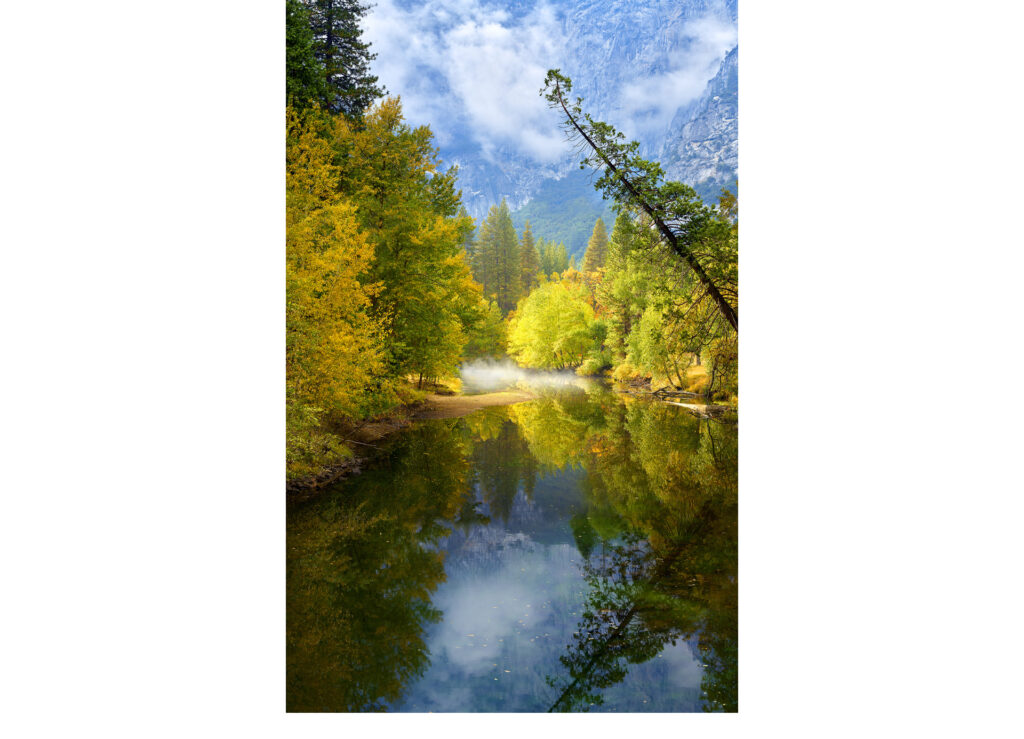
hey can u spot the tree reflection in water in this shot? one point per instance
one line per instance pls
(361, 571)
(654, 520)
(661, 561)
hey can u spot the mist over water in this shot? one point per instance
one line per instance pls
(488, 376)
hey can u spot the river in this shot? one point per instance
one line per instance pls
(573, 553)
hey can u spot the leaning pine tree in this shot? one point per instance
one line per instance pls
(674, 209)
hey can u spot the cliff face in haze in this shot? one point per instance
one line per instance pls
(701, 147)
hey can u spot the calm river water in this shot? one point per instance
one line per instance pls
(572, 553)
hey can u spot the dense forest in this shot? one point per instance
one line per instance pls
(379, 288)
(390, 283)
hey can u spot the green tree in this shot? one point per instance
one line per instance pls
(304, 75)
(468, 239)
(343, 55)
(551, 328)
(487, 336)
(408, 209)
(553, 258)
(623, 292)
(646, 282)
(498, 265)
(529, 260)
(597, 248)
(673, 209)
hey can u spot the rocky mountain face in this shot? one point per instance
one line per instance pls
(626, 57)
(701, 147)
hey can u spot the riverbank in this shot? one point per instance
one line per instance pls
(454, 406)
(363, 440)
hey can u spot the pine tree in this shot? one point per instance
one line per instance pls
(468, 240)
(560, 260)
(553, 258)
(484, 261)
(304, 75)
(345, 58)
(675, 212)
(529, 260)
(597, 248)
(497, 265)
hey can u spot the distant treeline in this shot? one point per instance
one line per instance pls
(565, 210)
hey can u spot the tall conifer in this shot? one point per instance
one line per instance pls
(497, 264)
(344, 56)
(597, 248)
(304, 75)
(529, 260)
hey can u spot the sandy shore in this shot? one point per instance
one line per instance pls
(453, 406)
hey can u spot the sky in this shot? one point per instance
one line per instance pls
(473, 68)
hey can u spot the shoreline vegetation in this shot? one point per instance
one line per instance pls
(364, 438)
(390, 284)
(442, 403)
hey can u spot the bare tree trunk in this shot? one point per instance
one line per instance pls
(711, 383)
(679, 377)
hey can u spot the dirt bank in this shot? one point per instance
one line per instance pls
(453, 406)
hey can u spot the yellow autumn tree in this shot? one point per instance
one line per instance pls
(332, 341)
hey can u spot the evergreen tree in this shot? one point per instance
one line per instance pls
(597, 248)
(468, 240)
(344, 57)
(529, 260)
(484, 260)
(618, 293)
(304, 75)
(559, 259)
(497, 265)
(553, 258)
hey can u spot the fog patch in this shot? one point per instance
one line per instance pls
(489, 375)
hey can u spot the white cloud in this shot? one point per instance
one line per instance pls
(470, 68)
(492, 65)
(496, 70)
(650, 103)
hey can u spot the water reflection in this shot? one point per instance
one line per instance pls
(361, 571)
(573, 553)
